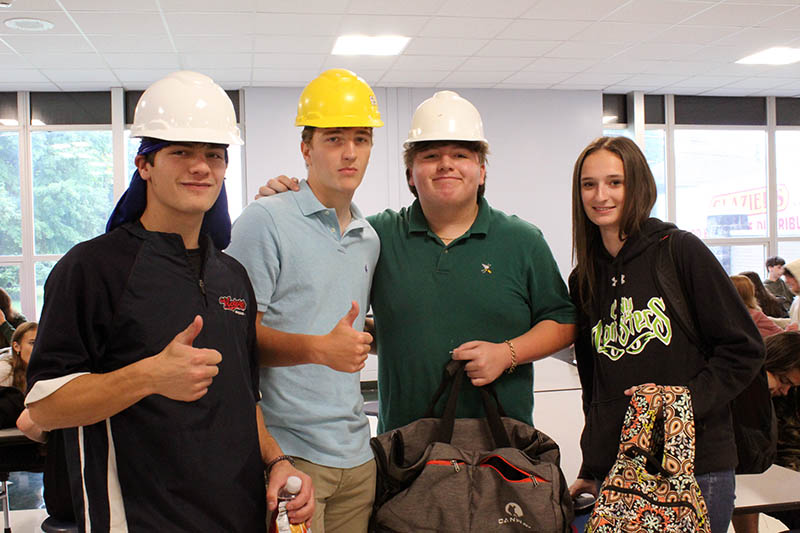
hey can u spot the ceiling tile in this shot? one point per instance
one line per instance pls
(591, 78)
(295, 45)
(359, 63)
(653, 80)
(299, 77)
(208, 6)
(447, 47)
(722, 54)
(62, 24)
(206, 61)
(413, 76)
(759, 38)
(735, 69)
(624, 65)
(289, 61)
(577, 87)
(517, 48)
(224, 74)
(685, 34)
(495, 63)
(661, 51)
(705, 81)
(485, 76)
(46, 43)
(760, 84)
(588, 10)
(298, 25)
(209, 43)
(12, 61)
(545, 78)
(553, 64)
(120, 23)
(210, 23)
(423, 63)
(723, 91)
(83, 76)
(143, 76)
(657, 11)
(482, 8)
(58, 60)
(476, 28)
(619, 32)
(142, 61)
(742, 15)
(687, 68)
(381, 25)
(393, 7)
(585, 50)
(27, 86)
(306, 6)
(32, 5)
(555, 30)
(130, 43)
(109, 5)
(789, 20)
(22, 76)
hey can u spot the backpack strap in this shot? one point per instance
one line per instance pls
(670, 286)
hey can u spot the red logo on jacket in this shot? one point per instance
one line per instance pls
(237, 305)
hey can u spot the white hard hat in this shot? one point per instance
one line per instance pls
(446, 116)
(186, 106)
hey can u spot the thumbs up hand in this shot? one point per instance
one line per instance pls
(184, 372)
(345, 349)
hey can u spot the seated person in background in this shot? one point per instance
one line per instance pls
(776, 285)
(782, 363)
(746, 291)
(13, 365)
(769, 305)
(791, 272)
(9, 319)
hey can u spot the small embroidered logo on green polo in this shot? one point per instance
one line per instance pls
(486, 268)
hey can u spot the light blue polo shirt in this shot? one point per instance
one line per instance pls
(305, 274)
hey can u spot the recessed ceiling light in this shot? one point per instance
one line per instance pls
(366, 45)
(29, 24)
(779, 55)
(5, 3)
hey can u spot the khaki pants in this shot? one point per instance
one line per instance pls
(344, 496)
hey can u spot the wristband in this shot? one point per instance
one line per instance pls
(276, 460)
(513, 357)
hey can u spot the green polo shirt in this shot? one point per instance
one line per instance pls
(493, 283)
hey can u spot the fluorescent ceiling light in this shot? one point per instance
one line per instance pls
(366, 45)
(607, 119)
(29, 24)
(779, 55)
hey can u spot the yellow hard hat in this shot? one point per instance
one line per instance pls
(338, 98)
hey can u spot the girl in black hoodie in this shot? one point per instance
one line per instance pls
(628, 336)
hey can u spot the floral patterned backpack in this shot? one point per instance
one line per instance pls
(651, 487)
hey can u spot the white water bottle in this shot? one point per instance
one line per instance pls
(286, 494)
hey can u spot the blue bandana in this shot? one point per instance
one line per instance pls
(216, 222)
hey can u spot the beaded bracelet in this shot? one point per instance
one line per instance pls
(277, 459)
(513, 357)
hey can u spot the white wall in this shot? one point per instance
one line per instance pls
(534, 138)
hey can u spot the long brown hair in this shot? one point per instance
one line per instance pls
(769, 305)
(640, 196)
(18, 366)
(746, 290)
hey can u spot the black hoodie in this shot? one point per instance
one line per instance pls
(628, 337)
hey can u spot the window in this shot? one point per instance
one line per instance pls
(787, 162)
(735, 259)
(10, 214)
(73, 187)
(9, 280)
(721, 178)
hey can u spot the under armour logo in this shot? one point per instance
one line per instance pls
(621, 280)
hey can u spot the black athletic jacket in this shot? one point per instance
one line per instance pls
(628, 337)
(161, 464)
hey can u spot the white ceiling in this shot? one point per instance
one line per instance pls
(617, 46)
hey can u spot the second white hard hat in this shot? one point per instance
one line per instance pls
(186, 106)
(446, 116)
